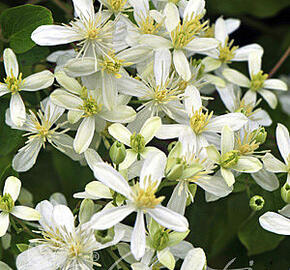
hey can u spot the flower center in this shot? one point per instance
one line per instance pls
(149, 26)
(145, 198)
(137, 142)
(186, 32)
(117, 5)
(227, 52)
(112, 65)
(246, 109)
(91, 107)
(6, 203)
(229, 159)
(199, 121)
(258, 80)
(93, 33)
(13, 83)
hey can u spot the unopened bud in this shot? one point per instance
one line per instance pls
(285, 193)
(229, 159)
(6, 203)
(105, 236)
(87, 209)
(174, 168)
(117, 152)
(257, 202)
(137, 142)
(260, 135)
(160, 240)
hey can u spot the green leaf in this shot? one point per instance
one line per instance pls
(19, 22)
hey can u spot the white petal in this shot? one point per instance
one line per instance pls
(213, 153)
(193, 7)
(120, 133)
(170, 131)
(37, 81)
(275, 223)
(228, 96)
(192, 99)
(166, 258)
(74, 116)
(25, 213)
(26, 156)
(109, 90)
(250, 98)
(63, 217)
(228, 176)
(98, 189)
(285, 211)
(4, 266)
(269, 97)
(162, 64)
(255, 62)
(235, 121)
(111, 178)
(273, 164)
(50, 35)
(81, 67)
(155, 42)
(181, 64)
(10, 63)
(266, 180)
(121, 114)
(131, 157)
(194, 260)
(3, 89)
(131, 86)
(232, 25)
(227, 140)
(177, 201)
(12, 186)
(248, 164)
(220, 30)
(17, 110)
(4, 223)
(202, 44)
(52, 111)
(242, 54)
(283, 141)
(150, 127)
(68, 83)
(109, 217)
(275, 84)
(84, 8)
(135, 54)
(171, 16)
(138, 239)
(92, 157)
(214, 185)
(211, 64)
(45, 208)
(66, 100)
(84, 135)
(262, 118)
(236, 77)
(168, 218)
(154, 166)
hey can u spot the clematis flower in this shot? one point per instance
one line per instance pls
(231, 159)
(136, 141)
(258, 82)
(7, 205)
(141, 198)
(62, 245)
(14, 83)
(200, 127)
(273, 164)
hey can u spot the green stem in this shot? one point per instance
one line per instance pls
(26, 229)
(115, 257)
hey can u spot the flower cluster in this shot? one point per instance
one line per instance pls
(131, 84)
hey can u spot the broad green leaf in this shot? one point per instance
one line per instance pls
(19, 22)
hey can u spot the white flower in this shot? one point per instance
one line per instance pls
(136, 141)
(273, 164)
(87, 105)
(226, 52)
(7, 205)
(194, 260)
(62, 246)
(40, 130)
(14, 83)
(94, 31)
(277, 223)
(230, 159)
(258, 82)
(200, 128)
(140, 198)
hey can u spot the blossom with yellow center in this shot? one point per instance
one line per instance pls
(227, 52)
(200, 120)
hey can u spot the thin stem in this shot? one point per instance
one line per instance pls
(26, 229)
(115, 257)
(280, 62)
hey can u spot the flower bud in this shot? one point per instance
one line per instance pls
(160, 240)
(229, 159)
(6, 203)
(117, 152)
(285, 193)
(87, 209)
(105, 236)
(260, 135)
(137, 142)
(174, 168)
(257, 202)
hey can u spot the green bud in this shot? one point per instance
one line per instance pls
(6, 203)
(285, 193)
(137, 142)
(160, 240)
(257, 202)
(174, 168)
(260, 135)
(87, 209)
(117, 152)
(229, 159)
(105, 236)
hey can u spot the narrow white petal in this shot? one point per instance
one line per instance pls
(285, 211)
(170, 131)
(220, 30)
(63, 217)
(138, 239)
(166, 258)
(50, 35)
(25, 213)
(37, 81)
(155, 42)
(10, 63)
(215, 185)
(17, 110)
(192, 99)
(242, 54)
(109, 90)
(4, 223)
(269, 97)
(66, 100)
(181, 64)
(202, 44)
(194, 7)
(213, 153)
(4, 266)
(92, 157)
(194, 260)
(150, 127)
(107, 218)
(275, 223)
(74, 116)
(162, 64)
(131, 157)
(177, 201)
(227, 140)
(68, 83)
(171, 16)
(283, 141)
(273, 164)
(168, 218)
(98, 189)
(236, 77)
(120, 133)
(84, 8)
(228, 96)
(232, 25)
(131, 86)
(81, 67)
(275, 84)
(255, 62)
(250, 98)
(12, 186)
(3, 89)
(84, 135)
(266, 180)
(228, 176)
(248, 164)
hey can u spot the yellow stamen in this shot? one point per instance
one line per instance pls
(199, 121)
